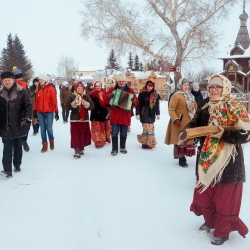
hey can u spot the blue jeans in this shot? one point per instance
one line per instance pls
(117, 127)
(46, 123)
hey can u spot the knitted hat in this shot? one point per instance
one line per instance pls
(216, 80)
(44, 77)
(181, 82)
(121, 77)
(17, 72)
(65, 83)
(196, 85)
(7, 74)
(220, 80)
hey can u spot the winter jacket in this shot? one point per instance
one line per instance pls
(75, 116)
(118, 115)
(235, 170)
(197, 95)
(65, 92)
(22, 83)
(147, 115)
(13, 108)
(177, 107)
(46, 99)
(32, 93)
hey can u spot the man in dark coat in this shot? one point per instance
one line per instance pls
(15, 120)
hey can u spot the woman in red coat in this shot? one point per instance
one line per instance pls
(120, 116)
(44, 108)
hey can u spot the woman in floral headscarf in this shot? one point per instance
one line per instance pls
(100, 123)
(181, 110)
(79, 103)
(220, 165)
(146, 111)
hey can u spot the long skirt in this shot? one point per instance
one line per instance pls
(220, 207)
(148, 135)
(80, 135)
(100, 132)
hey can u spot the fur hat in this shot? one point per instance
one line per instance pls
(196, 85)
(44, 77)
(121, 77)
(65, 83)
(7, 74)
(17, 72)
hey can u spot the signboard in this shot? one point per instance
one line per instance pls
(169, 69)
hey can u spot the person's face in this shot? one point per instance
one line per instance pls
(42, 82)
(185, 87)
(121, 84)
(215, 91)
(196, 89)
(79, 89)
(36, 83)
(98, 87)
(149, 87)
(8, 82)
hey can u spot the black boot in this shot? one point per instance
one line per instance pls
(114, 146)
(123, 145)
(183, 162)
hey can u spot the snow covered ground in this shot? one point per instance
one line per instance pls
(137, 201)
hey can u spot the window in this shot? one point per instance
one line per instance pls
(230, 68)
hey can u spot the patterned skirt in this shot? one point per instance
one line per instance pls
(148, 135)
(100, 132)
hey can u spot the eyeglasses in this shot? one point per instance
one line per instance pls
(215, 87)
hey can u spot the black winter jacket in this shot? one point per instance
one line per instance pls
(98, 113)
(13, 109)
(147, 115)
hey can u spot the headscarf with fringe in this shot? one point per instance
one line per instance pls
(227, 112)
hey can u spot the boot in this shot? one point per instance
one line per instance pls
(25, 146)
(219, 241)
(77, 154)
(51, 143)
(183, 162)
(114, 146)
(123, 145)
(45, 147)
(204, 228)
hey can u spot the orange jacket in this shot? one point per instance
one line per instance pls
(46, 100)
(21, 83)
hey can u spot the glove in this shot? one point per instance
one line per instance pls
(85, 104)
(111, 95)
(177, 123)
(26, 123)
(56, 116)
(138, 117)
(190, 150)
(218, 135)
(35, 115)
(133, 100)
(158, 117)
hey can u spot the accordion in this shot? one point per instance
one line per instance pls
(122, 99)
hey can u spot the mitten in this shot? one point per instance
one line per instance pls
(56, 116)
(177, 123)
(180, 149)
(138, 117)
(26, 123)
(85, 104)
(190, 150)
(35, 115)
(218, 135)
(158, 117)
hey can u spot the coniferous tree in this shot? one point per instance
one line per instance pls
(112, 62)
(15, 55)
(137, 63)
(130, 61)
(141, 66)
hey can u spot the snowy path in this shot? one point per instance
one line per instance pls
(138, 201)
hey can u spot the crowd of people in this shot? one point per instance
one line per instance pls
(103, 115)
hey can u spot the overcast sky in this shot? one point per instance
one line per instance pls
(50, 29)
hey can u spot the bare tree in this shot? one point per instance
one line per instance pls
(175, 32)
(65, 65)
